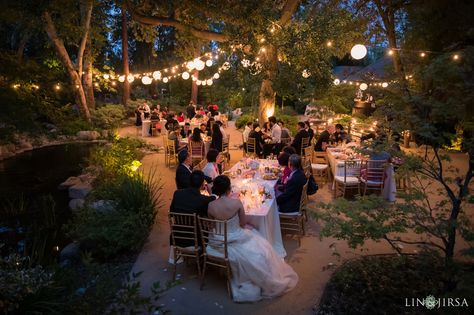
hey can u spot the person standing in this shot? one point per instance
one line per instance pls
(309, 130)
(324, 138)
(191, 110)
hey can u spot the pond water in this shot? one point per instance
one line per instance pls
(32, 209)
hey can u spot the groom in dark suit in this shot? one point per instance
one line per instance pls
(289, 200)
(189, 200)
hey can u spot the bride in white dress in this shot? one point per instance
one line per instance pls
(257, 271)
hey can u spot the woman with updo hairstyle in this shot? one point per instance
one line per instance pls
(257, 270)
(283, 159)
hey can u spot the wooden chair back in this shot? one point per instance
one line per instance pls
(320, 157)
(308, 154)
(285, 141)
(304, 144)
(375, 171)
(196, 150)
(352, 168)
(251, 146)
(183, 227)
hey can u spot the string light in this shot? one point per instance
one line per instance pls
(456, 57)
(422, 54)
(106, 76)
(16, 86)
(329, 44)
(390, 52)
(58, 87)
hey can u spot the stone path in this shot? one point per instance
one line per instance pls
(308, 260)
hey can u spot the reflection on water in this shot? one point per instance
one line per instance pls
(32, 209)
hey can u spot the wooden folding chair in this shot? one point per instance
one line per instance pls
(184, 228)
(214, 234)
(252, 147)
(304, 144)
(170, 152)
(350, 179)
(320, 165)
(373, 175)
(196, 149)
(293, 222)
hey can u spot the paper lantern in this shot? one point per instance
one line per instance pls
(198, 82)
(209, 62)
(130, 78)
(190, 65)
(146, 80)
(209, 82)
(358, 51)
(165, 79)
(156, 75)
(121, 78)
(203, 82)
(199, 64)
(384, 85)
(216, 76)
(106, 76)
(363, 86)
(336, 81)
(185, 75)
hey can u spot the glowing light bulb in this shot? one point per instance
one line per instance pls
(358, 51)
(185, 75)
(209, 62)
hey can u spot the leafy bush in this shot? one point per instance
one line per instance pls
(108, 116)
(118, 158)
(18, 280)
(110, 232)
(243, 120)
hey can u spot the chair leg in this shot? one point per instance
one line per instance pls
(175, 254)
(198, 263)
(229, 279)
(203, 273)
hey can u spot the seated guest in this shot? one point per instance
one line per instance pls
(324, 138)
(221, 128)
(302, 133)
(256, 134)
(186, 130)
(184, 169)
(180, 117)
(283, 162)
(216, 138)
(245, 134)
(340, 135)
(289, 149)
(309, 130)
(289, 200)
(196, 141)
(274, 136)
(174, 135)
(138, 116)
(285, 133)
(204, 130)
(146, 110)
(212, 167)
(191, 110)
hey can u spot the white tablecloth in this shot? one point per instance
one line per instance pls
(264, 216)
(337, 168)
(146, 124)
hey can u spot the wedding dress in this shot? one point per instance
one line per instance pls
(257, 271)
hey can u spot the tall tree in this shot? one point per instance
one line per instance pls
(74, 70)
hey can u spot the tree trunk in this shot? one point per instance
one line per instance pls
(266, 95)
(87, 78)
(21, 47)
(74, 76)
(126, 71)
(452, 230)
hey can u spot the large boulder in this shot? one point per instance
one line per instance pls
(76, 204)
(71, 181)
(80, 190)
(88, 135)
(70, 254)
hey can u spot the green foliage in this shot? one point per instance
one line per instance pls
(290, 122)
(108, 233)
(116, 159)
(243, 120)
(338, 98)
(108, 116)
(370, 284)
(18, 280)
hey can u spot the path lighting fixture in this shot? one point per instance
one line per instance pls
(358, 51)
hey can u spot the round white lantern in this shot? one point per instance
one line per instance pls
(130, 78)
(203, 82)
(336, 81)
(226, 65)
(198, 82)
(165, 80)
(156, 75)
(106, 76)
(384, 85)
(209, 82)
(190, 65)
(209, 62)
(358, 51)
(199, 64)
(306, 73)
(121, 78)
(185, 75)
(216, 76)
(146, 80)
(363, 86)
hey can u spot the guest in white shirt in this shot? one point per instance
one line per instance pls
(247, 130)
(212, 169)
(275, 129)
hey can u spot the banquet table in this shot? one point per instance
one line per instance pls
(336, 164)
(261, 212)
(146, 124)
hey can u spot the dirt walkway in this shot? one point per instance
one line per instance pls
(308, 260)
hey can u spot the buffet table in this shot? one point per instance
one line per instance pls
(253, 183)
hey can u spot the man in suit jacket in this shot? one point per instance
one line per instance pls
(302, 133)
(184, 170)
(189, 201)
(289, 200)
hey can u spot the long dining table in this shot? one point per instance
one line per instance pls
(256, 189)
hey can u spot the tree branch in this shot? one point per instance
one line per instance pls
(86, 26)
(418, 243)
(287, 11)
(155, 20)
